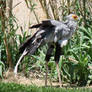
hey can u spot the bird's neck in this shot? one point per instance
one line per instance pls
(71, 24)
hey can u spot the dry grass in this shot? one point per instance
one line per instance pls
(9, 77)
(21, 79)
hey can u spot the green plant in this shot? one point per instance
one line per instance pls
(79, 48)
(2, 68)
(12, 87)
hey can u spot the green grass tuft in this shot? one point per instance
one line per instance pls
(12, 87)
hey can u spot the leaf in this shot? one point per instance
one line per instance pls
(1, 71)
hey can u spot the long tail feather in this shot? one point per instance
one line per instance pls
(30, 46)
(20, 59)
(29, 49)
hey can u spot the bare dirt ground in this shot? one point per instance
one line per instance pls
(9, 77)
(32, 80)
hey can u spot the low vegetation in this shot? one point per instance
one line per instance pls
(12, 87)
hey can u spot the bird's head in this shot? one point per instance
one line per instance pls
(72, 17)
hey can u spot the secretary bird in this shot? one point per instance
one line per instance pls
(54, 33)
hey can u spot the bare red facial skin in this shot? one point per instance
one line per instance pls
(75, 17)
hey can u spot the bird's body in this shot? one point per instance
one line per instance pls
(50, 32)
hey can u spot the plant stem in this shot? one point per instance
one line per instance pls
(84, 10)
(3, 27)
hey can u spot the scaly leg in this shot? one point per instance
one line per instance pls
(46, 76)
(59, 74)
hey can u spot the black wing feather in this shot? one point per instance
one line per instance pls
(44, 24)
(32, 41)
(35, 26)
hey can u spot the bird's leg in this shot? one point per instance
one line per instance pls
(57, 66)
(46, 76)
(20, 59)
(57, 57)
(47, 58)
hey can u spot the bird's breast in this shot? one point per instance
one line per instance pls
(63, 42)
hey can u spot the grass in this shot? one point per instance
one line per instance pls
(12, 87)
